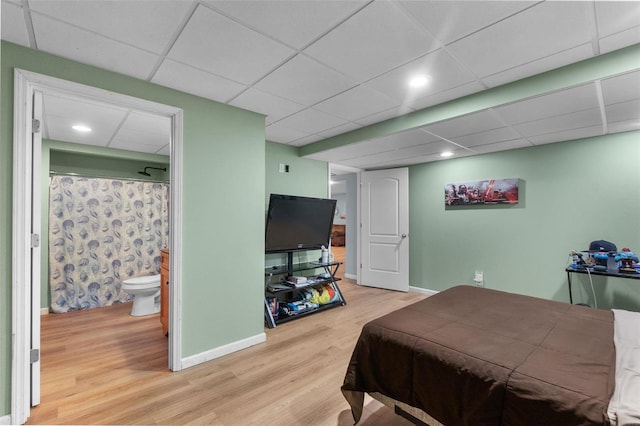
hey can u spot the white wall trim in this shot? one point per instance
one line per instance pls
(44, 311)
(421, 290)
(351, 276)
(223, 350)
(5, 420)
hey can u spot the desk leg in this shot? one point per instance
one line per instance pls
(569, 281)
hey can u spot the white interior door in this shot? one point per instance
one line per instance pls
(36, 138)
(385, 229)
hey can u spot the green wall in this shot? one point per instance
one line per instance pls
(571, 193)
(92, 161)
(223, 200)
(308, 178)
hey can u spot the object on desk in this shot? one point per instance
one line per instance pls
(626, 259)
(297, 280)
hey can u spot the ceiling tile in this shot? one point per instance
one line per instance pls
(148, 25)
(624, 126)
(484, 138)
(620, 40)
(407, 139)
(567, 135)
(356, 103)
(621, 88)
(338, 130)
(450, 20)
(623, 111)
(200, 83)
(13, 25)
(549, 105)
(227, 56)
(311, 121)
(538, 66)
(277, 132)
(447, 95)
(466, 125)
(533, 34)
(306, 140)
(561, 123)
(443, 71)
(274, 107)
(165, 150)
(384, 115)
(86, 47)
(293, 22)
(60, 113)
(372, 42)
(305, 81)
(616, 16)
(143, 133)
(502, 146)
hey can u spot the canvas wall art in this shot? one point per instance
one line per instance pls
(482, 192)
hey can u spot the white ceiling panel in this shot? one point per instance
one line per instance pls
(274, 107)
(374, 41)
(531, 35)
(385, 115)
(484, 138)
(60, 113)
(466, 125)
(228, 56)
(305, 81)
(443, 71)
(280, 133)
(623, 111)
(561, 123)
(338, 130)
(502, 146)
(357, 103)
(550, 105)
(615, 16)
(556, 60)
(294, 22)
(407, 139)
(567, 135)
(120, 20)
(620, 40)
(451, 20)
(84, 46)
(12, 25)
(150, 129)
(621, 88)
(197, 82)
(311, 121)
(624, 126)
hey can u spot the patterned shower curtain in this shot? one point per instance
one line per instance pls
(101, 232)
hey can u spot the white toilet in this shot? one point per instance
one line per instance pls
(146, 294)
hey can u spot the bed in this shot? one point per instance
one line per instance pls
(475, 356)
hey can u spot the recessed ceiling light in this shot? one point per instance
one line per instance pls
(81, 128)
(419, 81)
(446, 154)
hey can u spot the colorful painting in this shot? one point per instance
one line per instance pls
(483, 192)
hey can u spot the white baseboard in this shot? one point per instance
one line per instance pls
(223, 350)
(422, 290)
(5, 420)
(351, 276)
(44, 311)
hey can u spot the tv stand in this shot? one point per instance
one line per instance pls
(286, 300)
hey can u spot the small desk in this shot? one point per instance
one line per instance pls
(607, 273)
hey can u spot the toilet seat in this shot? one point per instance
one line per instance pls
(143, 282)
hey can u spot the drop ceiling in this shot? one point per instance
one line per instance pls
(317, 69)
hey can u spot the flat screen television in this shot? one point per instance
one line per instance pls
(298, 223)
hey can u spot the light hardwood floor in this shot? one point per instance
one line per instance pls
(103, 366)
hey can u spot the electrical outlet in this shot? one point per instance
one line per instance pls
(479, 279)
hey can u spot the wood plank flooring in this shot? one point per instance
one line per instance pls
(104, 366)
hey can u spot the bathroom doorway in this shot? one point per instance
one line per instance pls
(27, 174)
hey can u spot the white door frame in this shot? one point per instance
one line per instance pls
(25, 82)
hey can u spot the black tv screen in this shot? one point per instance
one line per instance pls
(298, 223)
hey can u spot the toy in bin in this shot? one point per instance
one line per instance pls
(626, 259)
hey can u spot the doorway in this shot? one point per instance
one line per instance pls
(343, 187)
(27, 216)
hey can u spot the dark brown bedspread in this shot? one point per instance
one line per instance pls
(475, 356)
